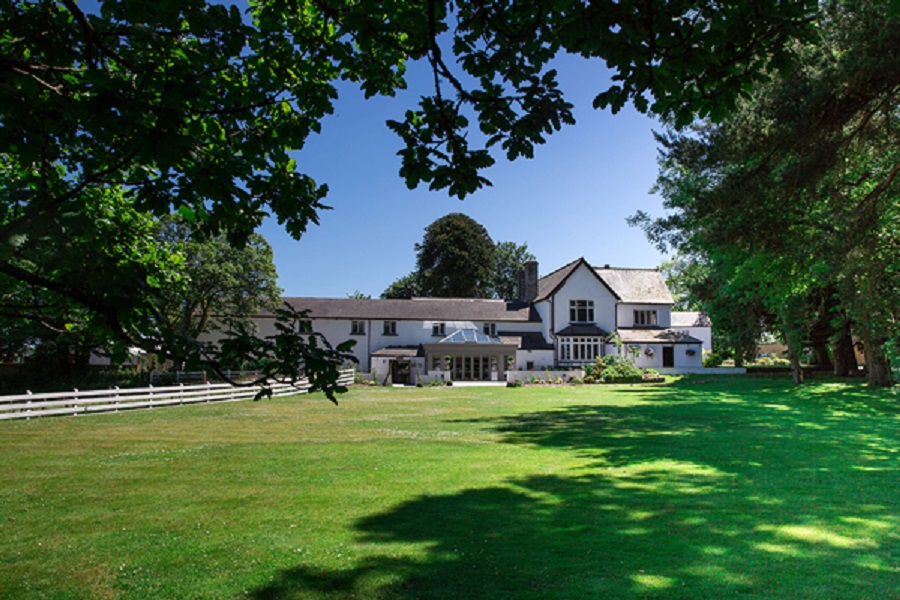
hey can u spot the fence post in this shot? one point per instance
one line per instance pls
(116, 397)
(208, 391)
(29, 410)
(181, 393)
(75, 406)
(151, 394)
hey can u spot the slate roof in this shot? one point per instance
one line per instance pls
(636, 286)
(399, 352)
(548, 284)
(690, 319)
(416, 309)
(582, 329)
(633, 286)
(532, 340)
(655, 336)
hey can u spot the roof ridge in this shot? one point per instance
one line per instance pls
(609, 268)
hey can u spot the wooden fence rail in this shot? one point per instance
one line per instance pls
(78, 402)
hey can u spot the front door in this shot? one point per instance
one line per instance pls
(400, 372)
(668, 356)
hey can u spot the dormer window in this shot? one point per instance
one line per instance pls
(490, 329)
(645, 317)
(581, 311)
(438, 329)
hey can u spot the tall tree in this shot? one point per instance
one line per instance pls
(220, 283)
(186, 105)
(684, 276)
(795, 197)
(404, 287)
(509, 258)
(455, 258)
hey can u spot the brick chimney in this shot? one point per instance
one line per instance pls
(528, 281)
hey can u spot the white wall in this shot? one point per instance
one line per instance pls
(409, 333)
(681, 358)
(541, 359)
(704, 334)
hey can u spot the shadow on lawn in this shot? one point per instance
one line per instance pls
(702, 492)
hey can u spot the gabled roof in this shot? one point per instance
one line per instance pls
(549, 284)
(636, 286)
(690, 319)
(415, 309)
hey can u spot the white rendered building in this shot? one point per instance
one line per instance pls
(565, 319)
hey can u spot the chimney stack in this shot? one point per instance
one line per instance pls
(528, 281)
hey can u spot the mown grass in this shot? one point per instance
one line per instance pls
(714, 488)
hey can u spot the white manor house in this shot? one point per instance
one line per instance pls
(564, 319)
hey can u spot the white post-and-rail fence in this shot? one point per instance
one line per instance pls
(77, 402)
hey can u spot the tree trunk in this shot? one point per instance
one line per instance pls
(878, 368)
(794, 331)
(845, 364)
(819, 345)
(793, 346)
(796, 367)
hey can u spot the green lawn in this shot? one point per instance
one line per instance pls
(711, 488)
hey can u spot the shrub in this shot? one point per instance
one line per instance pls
(713, 360)
(612, 369)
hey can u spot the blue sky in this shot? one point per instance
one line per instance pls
(570, 200)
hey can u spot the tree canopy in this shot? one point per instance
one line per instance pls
(221, 282)
(141, 109)
(793, 201)
(455, 258)
(509, 259)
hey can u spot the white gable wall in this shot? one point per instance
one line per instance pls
(583, 284)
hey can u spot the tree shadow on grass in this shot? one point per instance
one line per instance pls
(700, 493)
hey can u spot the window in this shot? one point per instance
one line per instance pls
(390, 328)
(304, 327)
(579, 349)
(581, 311)
(438, 329)
(357, 328)
(645, 317)
(490, 329)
